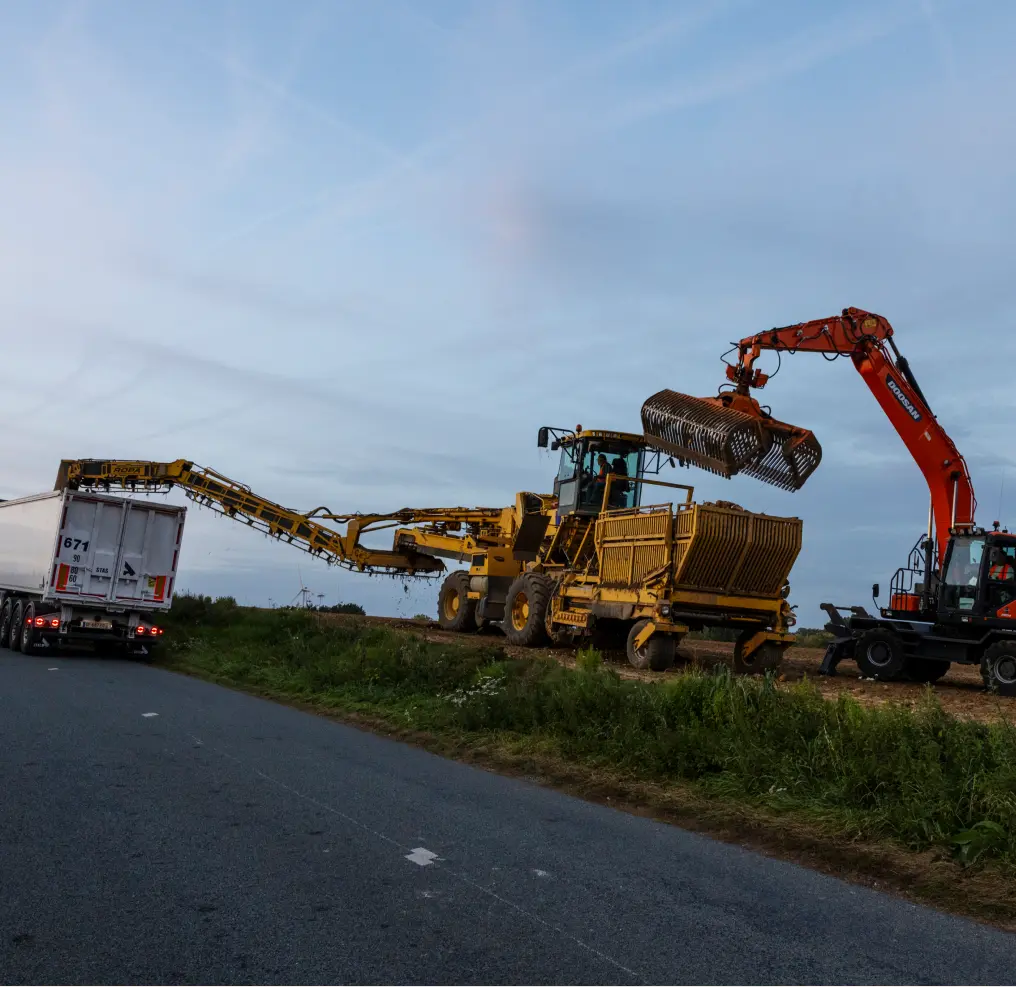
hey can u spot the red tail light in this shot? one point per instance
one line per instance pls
(141, 629)
(40, 621)
(156, 630)
(55, 622)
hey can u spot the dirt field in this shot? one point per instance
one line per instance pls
(960, 692)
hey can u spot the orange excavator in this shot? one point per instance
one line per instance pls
(955, 600)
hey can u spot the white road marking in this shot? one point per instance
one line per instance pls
(149, 714)
(458, 875)
(422, 856)
(541, 873)
(52, 669)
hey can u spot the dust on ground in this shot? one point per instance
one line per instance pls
(960, 691)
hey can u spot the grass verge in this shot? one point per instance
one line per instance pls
(912, 800)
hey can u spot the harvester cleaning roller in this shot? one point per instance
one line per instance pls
(730, 434)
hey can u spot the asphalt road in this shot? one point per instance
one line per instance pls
(227, 839)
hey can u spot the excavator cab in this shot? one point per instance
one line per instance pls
(979, 578)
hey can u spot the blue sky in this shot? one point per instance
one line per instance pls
(357, 253)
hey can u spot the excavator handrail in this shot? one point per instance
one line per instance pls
(219, 493)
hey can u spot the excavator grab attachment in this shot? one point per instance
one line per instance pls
(730, 434)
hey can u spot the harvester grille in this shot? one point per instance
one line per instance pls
(727, 441)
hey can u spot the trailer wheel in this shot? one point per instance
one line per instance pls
(525, 610)
(455, 611)
(5, 622)
(29, 635)
(17, 620)
(998, 668)
(765, 658)
(657, 654)
(879, 654)
(926, 669)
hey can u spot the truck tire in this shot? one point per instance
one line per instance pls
(525, 610)
(455, 611)
(766, 658)
(5, 622)
(998, 668)
(17, 619)
(925, 669)
(657, 654)
(29, 635)
(879, 654)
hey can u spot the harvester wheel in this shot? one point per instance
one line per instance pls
(998, 668)
(879, 654)
(482, 623)
(925, 669)
(765, 658)
(657, 654)
(525, 610)
(455, 611)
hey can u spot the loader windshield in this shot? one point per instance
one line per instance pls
(583, 470)
(599, 462)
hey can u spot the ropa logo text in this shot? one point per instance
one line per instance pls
(903, 399)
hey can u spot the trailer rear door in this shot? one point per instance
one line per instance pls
(149, 552)
(117, 551)
(88, 546)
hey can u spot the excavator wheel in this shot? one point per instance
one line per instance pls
(455, 611)
(766, 658)
(657, 654)
(998, 668)
(525, 610)
(879, 654)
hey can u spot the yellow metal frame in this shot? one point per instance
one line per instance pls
(304, 530)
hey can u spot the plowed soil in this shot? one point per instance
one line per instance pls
(960, 691)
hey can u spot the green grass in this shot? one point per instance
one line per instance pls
(919, 778)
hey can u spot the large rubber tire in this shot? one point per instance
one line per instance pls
(5, 622)
(29, 635)
(998, 668)
(455, 611)
(657, 654)
(925, 669)
(766, 658)
(525, 610)
(481, 624)
(17, 619)
(879, 654)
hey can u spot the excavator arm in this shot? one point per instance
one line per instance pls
(217, 492)
(867, 340)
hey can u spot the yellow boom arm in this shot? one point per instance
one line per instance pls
(217, 492)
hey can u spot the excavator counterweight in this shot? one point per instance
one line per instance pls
(730, 434)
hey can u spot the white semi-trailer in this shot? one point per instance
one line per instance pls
(86, 569)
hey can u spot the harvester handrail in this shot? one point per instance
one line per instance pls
(689, 491)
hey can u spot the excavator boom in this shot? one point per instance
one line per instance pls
(732, 433)
(305, 531)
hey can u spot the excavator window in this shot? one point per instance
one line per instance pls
(959, 591)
